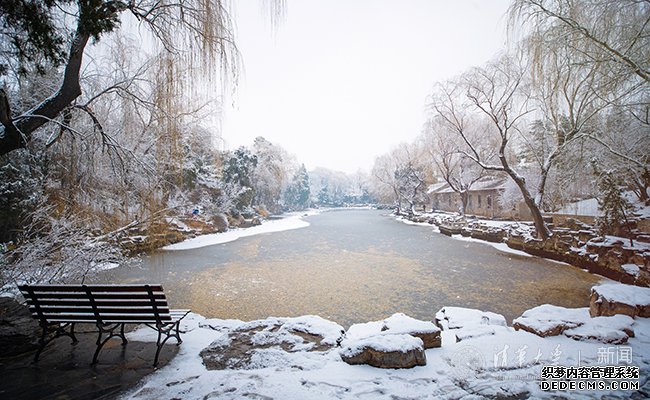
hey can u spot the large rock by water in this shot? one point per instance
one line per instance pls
(258, 343)
(397, 324)
(548, 320)
(616, 329)
(398, 341)
(614, 298)
(386, 351)
(467, 323)
(576, 323)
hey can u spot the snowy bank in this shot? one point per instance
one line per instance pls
(507, 363)
(293, 221)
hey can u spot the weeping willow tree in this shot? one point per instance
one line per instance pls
(55, 35)
(590, 65)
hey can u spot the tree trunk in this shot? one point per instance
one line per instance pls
(540, 226)
(464, 197)
(18, 134)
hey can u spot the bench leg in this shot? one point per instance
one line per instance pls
(170, 331)
(72, 336)
(110, 330)
(60, 330)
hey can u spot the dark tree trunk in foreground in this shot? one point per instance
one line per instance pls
(17, 131)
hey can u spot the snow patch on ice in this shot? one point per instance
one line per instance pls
(284, 224)
(499, 246)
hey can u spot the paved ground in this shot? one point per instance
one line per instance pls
(63, 371)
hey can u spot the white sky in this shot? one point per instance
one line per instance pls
(340, 82)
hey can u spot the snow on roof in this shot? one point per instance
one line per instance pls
(436, 187)
(491, 184)
(498, 184)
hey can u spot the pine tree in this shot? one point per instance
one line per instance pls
(614, 206)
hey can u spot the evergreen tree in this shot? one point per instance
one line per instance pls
(298, 193)
(324, 195)
(238, 170)
(614, 206)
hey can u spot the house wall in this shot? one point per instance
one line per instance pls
(484, 203)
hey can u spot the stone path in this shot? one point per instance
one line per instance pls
(63, 371)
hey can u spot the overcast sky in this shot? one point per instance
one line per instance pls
(340, 82)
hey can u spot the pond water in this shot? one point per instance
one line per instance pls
(355, 266)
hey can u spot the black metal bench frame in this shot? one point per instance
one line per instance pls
(109, 307)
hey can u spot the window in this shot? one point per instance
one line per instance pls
(479, 201)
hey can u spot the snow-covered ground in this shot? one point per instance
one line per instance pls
(504, 362)
(291, 221)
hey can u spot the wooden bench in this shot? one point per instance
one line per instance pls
(109, 307)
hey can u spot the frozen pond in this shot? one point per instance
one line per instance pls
(355, 266)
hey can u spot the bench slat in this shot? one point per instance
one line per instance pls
(135, 318)
(93, 288)
(106, 310)
(102, 296)
(100, 303)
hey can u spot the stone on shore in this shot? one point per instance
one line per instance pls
(616, 298)
(548, 320)
(459, 317)
(616, 329)
(258, 343)
(576, 323)
(386, 351)
(397, 324)
(467, 323)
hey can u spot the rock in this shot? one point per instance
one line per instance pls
(258, 344)
(459, 317)
(220, 222)
(470, 323)
(386, 351)
(474, 331)
(548, 320)
(248, 223)
(616, 298)
(235, 221)
(19, 332)
(398, 324)
(403, 324)
(616, 329)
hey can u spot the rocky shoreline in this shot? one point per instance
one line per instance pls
(177, 229)
(572, 242)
